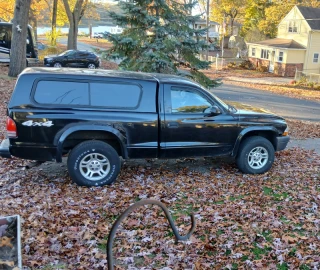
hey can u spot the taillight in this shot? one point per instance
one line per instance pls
(11, 128)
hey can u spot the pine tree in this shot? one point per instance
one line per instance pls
(159, 37)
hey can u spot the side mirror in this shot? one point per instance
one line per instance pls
(212, 111)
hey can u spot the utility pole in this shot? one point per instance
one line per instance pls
(207, 25)
(223, 29)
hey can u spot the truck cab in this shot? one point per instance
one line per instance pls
(97, 116)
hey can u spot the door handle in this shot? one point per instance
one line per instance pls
(173, 125)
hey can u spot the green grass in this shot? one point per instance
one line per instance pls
(283, 266)
(277, 196)
(304, 267)
(259, 252)
(54, 267)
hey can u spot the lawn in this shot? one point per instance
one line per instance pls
(294, 91)
(268, 221)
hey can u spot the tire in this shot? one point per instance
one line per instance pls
(93, 163)
(255, 155)
(57, 65)
(91, 66)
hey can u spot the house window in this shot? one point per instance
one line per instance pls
(316, 58)
(264, 54)
(293, 28)
(280, 58)
(253, 52)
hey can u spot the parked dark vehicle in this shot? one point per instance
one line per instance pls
(96, 117)
(5, 44)
(73, 58)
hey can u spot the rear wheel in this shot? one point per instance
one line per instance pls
(93, 163)
(255, 156)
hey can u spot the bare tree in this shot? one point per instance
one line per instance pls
(53, 41)
(19, 37)
(74, 18)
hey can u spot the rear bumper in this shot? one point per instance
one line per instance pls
(4, 149)
(281, 142)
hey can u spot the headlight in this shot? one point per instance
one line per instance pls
(49, 59)
(286, 132)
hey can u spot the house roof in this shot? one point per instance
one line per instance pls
(281, 43)
(312, 16)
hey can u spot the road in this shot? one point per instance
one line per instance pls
(81, 45)
(286, 107)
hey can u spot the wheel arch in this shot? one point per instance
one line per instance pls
(71, 136)
(270, 133)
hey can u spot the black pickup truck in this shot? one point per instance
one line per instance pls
(96, 116)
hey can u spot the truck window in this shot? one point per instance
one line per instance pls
(115, 95)
(188, 101)
(5, 36)
(62, 93)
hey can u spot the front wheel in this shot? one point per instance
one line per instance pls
(255, 156)
(93, 163)
(91, 66)
(57, 65)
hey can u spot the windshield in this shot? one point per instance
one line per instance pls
(217, 99)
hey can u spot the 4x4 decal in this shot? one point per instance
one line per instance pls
(30, 123)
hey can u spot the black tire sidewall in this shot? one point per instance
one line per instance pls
(57, 63)
(95, 66)
(245, 148)
(86, 148)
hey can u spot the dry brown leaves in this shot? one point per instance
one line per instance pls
(244, 73)
(101, 43)
(293, 92)
(303, 129)
(244, 221)
(108, 65)
(286, 90)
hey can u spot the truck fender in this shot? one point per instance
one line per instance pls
(248, 130)
(68, 130)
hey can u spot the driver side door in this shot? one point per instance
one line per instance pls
(189, 130)
(70, 59)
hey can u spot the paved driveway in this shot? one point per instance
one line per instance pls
(287, 107)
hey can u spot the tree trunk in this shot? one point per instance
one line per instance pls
(231, 26)
(19, 37)
(74, 18)
(33, 22)
(72, 35)
(53, 41)
(90, 29)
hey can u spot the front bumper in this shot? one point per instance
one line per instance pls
(4, 149)
(281, 142)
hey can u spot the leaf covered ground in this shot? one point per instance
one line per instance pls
(269, 221)
(285, 90)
